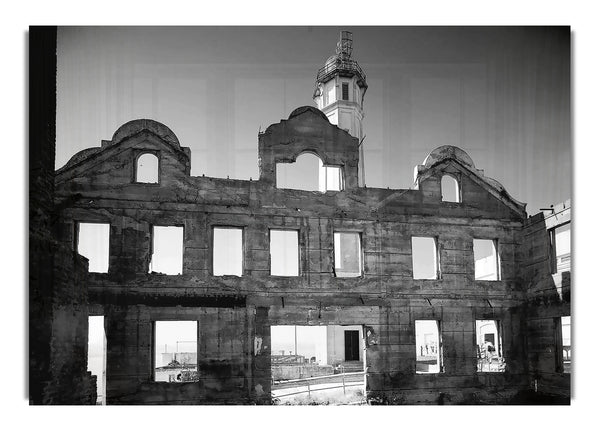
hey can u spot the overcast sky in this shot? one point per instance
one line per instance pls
(500, 93)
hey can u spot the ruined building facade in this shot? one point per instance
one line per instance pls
(235, 313)
(525, 297)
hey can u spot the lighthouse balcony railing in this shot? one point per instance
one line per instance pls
(340, 66)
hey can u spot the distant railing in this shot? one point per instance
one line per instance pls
(347, 380)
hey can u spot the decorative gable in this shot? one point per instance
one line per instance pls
(115, 161)
(474, 186)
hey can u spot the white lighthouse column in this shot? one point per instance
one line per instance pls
(340, 90)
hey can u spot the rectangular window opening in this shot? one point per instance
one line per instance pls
(285, 252)
(93, 243)
(344, 91)
(175, 351)
(331, 356)
(347, 254)
(429, 345)
(560, 243)
(425, 258)
(489, 346)
(96, 361)
(167, 250)
(487, 259)
(227, 251)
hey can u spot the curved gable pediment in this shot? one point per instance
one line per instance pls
(127, 143)
(448, 159)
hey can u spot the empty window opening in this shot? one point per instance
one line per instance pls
(97, 355)
(329, 93)
(489, 346)
(93, 243)
(301, 175)
(428, 345)
(344, 91)
(563, 350)
(487, 261)
(175, 351)
(308, 173)
(167, 250)
(227, 251)
(317, 364)
(347, 254)
(146, 170)
(450, 189)
(284, 252)
(425, 261)
(560, 242)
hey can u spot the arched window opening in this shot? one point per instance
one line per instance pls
(450, 189)
(146, 170)
(308, 173)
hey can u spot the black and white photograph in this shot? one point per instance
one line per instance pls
(303, 217)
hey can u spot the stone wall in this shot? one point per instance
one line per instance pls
(70, 382)
(57, 276)
(235, 313)
(42, 103)
(548, 298)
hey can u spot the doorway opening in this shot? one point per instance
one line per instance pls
(318, 364)
(490, 356)
(96, 359)
(351, 351)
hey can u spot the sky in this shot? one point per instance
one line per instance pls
(500, 93)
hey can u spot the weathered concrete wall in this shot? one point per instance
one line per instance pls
(548, 298)
(235, 313)
(42, 93)
(58, 327)
(392, 377)
(293, 371)
(69, 381)
(224, 358)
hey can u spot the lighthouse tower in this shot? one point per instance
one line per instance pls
(340, 91)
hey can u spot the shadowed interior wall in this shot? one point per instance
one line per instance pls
(57, 275)
(548, 298)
